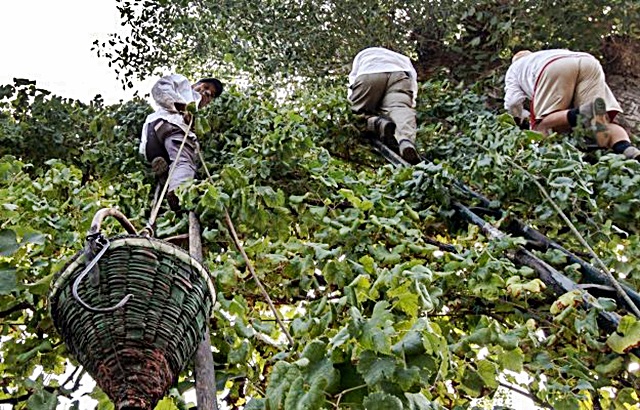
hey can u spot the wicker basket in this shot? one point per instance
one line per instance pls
(136, 352)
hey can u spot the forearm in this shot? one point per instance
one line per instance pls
(165, 95)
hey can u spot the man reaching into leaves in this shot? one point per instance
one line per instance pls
(565, 88)
(164, 130)
(383, 86)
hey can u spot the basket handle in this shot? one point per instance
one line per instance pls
(103, 213)
(95, 237)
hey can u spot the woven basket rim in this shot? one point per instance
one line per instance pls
(141, 241)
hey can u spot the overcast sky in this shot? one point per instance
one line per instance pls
(50, 42)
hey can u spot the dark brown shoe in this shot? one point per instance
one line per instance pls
(409, 153)
(174, 202)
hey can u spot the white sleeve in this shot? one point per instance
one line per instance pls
(165, 91)
(414, 84)
(514, 96)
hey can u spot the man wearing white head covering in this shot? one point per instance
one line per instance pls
(164, 130)
(383, 85)
(563, 88)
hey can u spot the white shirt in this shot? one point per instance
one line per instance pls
(520, 80)
(170, 89)
(380, 60)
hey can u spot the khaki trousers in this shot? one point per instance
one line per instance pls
(388, 94)
(164, 140)
(569, 82)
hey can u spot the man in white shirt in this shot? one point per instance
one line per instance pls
(383, 86)
(164, 130)
(565, 87)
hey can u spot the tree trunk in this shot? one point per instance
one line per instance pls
(627, 92)
(622, 65)
(204, 368)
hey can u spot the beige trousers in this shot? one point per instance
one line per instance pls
(388, 94)
(569, 82)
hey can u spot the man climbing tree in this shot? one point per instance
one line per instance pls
(165, 129)
(565, 87)
(383, 86)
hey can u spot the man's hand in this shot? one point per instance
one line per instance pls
(182, 109)
(523, 123)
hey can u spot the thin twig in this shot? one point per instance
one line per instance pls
(234, 236)
(343, 392)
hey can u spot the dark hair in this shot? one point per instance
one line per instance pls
(216, 83)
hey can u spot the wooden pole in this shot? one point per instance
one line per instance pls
(204, 367)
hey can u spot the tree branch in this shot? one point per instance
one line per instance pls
(16, 308)
(525, 393)
(15, 400)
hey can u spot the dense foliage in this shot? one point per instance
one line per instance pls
(378, 315)
(318, 38)
(344, 243)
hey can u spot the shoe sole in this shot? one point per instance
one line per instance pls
(159, 166)
(632, 153)
(600, 117)
(410, 155)
(599, 122)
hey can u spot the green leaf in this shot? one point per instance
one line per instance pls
(488, 372)
(256, 404)
(166, 403)
(382, 401)
(627, 336)
(569, 299)
(410, 344)
(41, 348)
(8, 279)
(611, 368)
(340, 338)
(240, 353)
(405, 299)
(566, 403)
(626, 398)
(191, 107)
(408, 378)
(41, 287)
(282, 377)
(512, 360)
(8, 242)
(374, 369)
(368, 263)
(313, 399)
(42, 400)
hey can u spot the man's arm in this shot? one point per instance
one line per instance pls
(165, 92)
(514, 96)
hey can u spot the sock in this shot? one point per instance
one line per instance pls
(572, 116)
(620, 146)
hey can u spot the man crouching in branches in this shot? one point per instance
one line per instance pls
(165, 129)
(565, 88)
(383, 86)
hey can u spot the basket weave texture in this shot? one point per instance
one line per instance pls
(136, 352)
